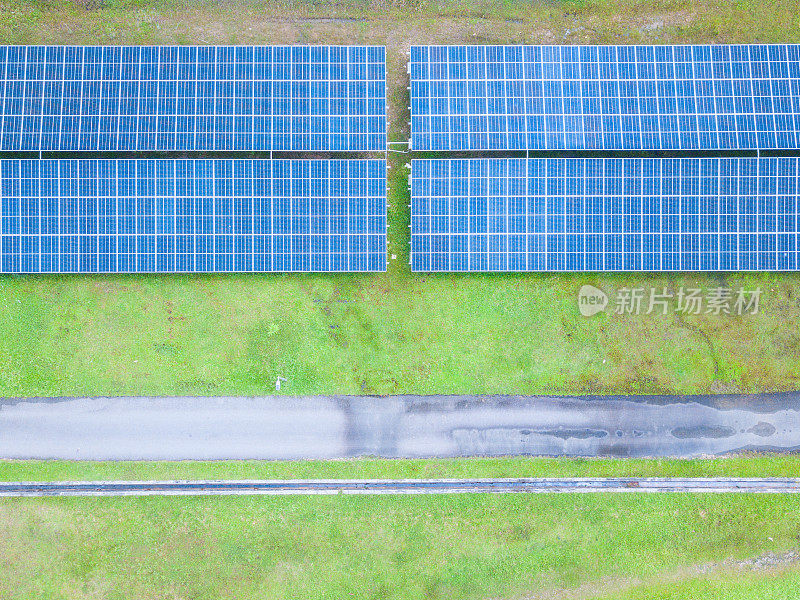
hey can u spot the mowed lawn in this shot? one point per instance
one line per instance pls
(384, 547)
(396, 332)
(743, 465)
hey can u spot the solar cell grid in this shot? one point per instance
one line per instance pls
(605, 214)
(106, 216)
(131, 98)
(605, 97)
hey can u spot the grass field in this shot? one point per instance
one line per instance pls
(517, 546)
(396, 332)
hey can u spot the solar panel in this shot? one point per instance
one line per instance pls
(627, 214)
(112, 216)
(132, 98)
(605, 97)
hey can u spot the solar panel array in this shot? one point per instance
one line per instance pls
(605, 97)
(627, 214)
(131, 98)
(112, 216)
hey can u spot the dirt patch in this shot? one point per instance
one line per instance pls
(767, 562)
(665, 20)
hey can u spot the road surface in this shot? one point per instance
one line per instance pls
(281, 428)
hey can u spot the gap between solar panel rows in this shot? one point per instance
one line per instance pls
(319, 206)
(621, 205)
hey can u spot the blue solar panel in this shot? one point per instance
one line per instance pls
(627, 214)
(605, 97)
(113, 216)
(132, 98)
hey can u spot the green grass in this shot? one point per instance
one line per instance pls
(383, 547)
(369, 468)
(397, 332)
(382, 334)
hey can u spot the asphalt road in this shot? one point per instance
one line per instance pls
(402, 486)
(280, 428)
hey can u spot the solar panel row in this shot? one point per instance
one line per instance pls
(131, 98)
(627, 214)
(605, 97)
(112, 216)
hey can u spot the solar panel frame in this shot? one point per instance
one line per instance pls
(193, 98)
(701, 97)
(605, 214)
(192, 215)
